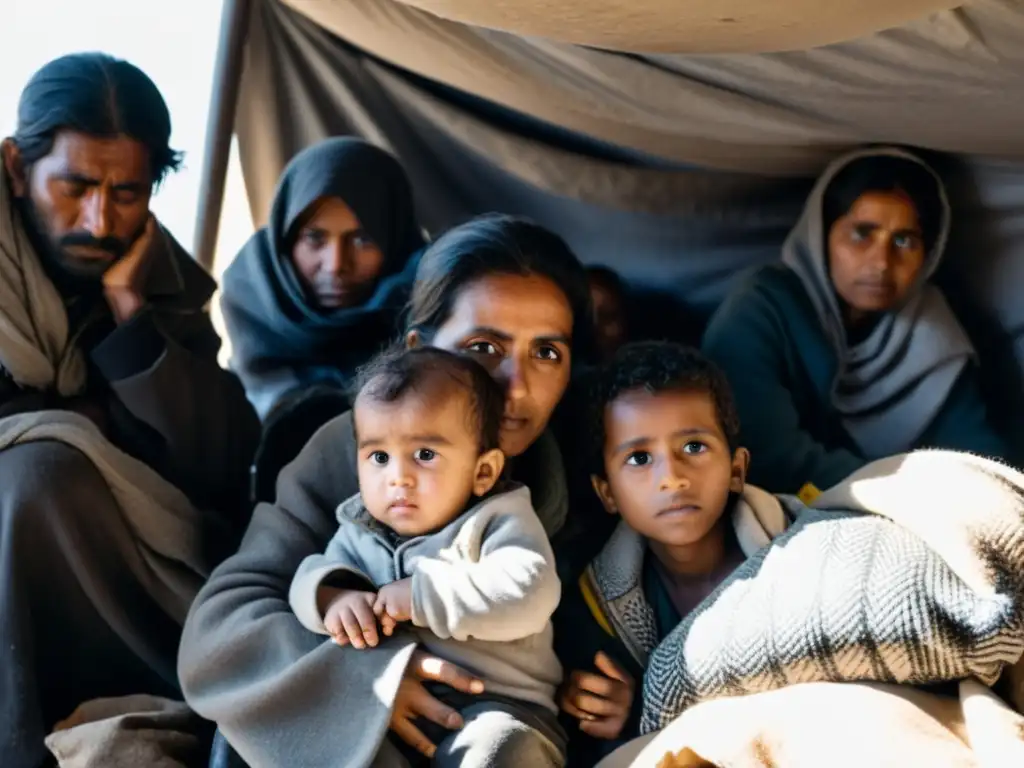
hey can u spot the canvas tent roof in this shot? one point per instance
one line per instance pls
(694, 26)
(672, 140)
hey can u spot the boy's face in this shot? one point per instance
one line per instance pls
(419, 459)
(668, 465)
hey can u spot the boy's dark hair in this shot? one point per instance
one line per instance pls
(658, 366)
(397, 372)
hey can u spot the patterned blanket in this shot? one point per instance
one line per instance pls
(910, 571)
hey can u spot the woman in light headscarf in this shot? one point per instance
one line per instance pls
(317, 292)
(846, 352)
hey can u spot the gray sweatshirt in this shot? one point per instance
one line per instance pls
(483, 588)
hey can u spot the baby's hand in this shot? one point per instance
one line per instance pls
(394, 604)
(349, 618)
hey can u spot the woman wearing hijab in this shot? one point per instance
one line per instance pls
(845, 352)
(317, 292)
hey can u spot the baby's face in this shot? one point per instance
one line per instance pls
(419, 459)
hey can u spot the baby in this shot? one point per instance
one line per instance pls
(435, 542)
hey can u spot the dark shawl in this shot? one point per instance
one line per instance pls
(281, 341)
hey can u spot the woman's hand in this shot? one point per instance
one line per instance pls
(602, 702)
(349, 618)
(413, 700)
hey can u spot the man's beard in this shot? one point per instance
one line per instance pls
(71, 274)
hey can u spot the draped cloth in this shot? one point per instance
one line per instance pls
(172, 536)
(846, 725)
(36, 350)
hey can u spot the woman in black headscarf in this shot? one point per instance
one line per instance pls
(317, 291)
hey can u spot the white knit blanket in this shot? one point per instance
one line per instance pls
(910, 571)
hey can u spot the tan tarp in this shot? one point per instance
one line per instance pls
(690, 26)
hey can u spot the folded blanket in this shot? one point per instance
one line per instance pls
(910, 571)
(840, 725)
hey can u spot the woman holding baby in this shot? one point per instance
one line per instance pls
(510, 295)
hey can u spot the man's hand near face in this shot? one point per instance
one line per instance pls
(123, 282)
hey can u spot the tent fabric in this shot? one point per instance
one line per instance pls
(677, 170)
(705, 26)
(950, 81)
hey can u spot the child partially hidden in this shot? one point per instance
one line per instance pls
(666, 461)
(437, 544)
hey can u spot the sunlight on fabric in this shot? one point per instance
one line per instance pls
(963, 507)
(236, 227)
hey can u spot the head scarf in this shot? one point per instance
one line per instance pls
(280, 339)
(891, 385)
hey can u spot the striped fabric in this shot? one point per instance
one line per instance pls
(911, 571)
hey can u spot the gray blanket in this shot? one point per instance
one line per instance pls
(911, 571)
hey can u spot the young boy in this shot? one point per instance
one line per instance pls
(435, 544)
(665, 460)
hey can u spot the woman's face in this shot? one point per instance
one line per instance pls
(337, 262)
(876, 253)
(520, 329)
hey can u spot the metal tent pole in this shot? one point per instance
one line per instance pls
(227, 79)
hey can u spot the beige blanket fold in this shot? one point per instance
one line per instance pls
(36, 350)
(130, 732)
(840, 725)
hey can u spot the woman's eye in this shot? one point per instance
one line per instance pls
(425, 455)
(860, 233)
(904, 242)
(694, 447)
(549, 353)
(380, 458)
(482, 348)
(362, 241)
(314, 238)
(639, 459)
